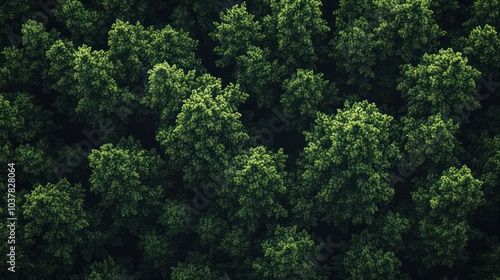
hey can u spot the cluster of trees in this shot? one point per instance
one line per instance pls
(140, 134)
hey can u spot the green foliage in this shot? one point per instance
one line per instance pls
(207, 132)
(484, 12)
(55, 220)
(136, 49)
(235, 34)
(482, 47)
(288, 250)
(432, 138)
(95, 86)
(298, 25)
(305, 93)
(84, 24)
(124, 176)
(195, 272)
(108, 269)
(256, 185)
(10, 14)
(8, 118)
(25, 68)
(443, 210)
(406, 28)
(258, 76)
(344, 165)
(365, 261)
(441, 83)
(354, 53)
(168, 87)
(96, 90)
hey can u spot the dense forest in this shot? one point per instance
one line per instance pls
(266, 139)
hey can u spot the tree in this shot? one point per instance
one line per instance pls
(185, 271)
(430, 139)
(169, 86)
(106, 269)
(55, 220)
(25, 68)
(443, 210)
(484, 12)
(235, 34)
(288, 250)
(255, 187)
(258, 76)
(24, 125)
(85, 25)
(363, 260)
(136, 49)
(398, 35)
(126, 177)
(482, 48)
(95, 86)
(343, 168)
(207, 131)
(441, 83)
(298, 26)
(306, 93)
(10, 13)
(354, 53)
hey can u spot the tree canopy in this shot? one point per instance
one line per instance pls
(266, 139)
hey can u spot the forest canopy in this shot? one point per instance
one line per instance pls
(266, 139)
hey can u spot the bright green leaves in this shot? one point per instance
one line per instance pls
(298, 26)
(25, 68)
(482, 47)
(455, 194)
(168, 87)
(55, 219)
(374, 37)
(95, 86)
(288, 251)
(255, 186)
(344, 165)
(127, 45)
(138, 49)
(432, 138)
(234, 35)
(124, 176)
(441, 83)
(444, 209)
(306, 93)
(207, 132)
(348, 164)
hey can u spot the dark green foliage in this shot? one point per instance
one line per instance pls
(55, 220)
(344, 168)
(229, 139)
